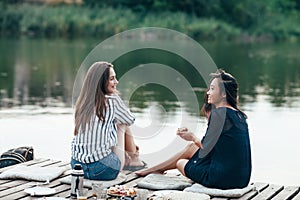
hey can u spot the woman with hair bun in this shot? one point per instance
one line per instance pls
(222, 159)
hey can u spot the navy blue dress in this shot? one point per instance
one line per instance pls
(224, 162)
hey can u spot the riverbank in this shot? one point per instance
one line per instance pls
(81, 21)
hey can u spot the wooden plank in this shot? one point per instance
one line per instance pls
(64, 164)
(54, 163)
(2, 184)
(130, 177)
(46, 163)
(35, 161)
(3, 181)
(297, 197)
(133, 182)
(16, 188)
(21, 194)
(31, 162)
(10, 184)
(52, 184)
(65, 194)
(259, 187)
(13, 187)
(269, 192)
(11, 191)
(63, 191)
(287, 193)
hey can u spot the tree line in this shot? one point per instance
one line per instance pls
(241, 13)
(278, 18)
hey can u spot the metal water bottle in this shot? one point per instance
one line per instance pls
(76, 181)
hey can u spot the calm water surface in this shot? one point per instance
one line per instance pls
(36, 85)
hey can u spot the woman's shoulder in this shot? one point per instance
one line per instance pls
(219, 110)
(228, 111)
(113, 97)
(236, 115)
(231, 116)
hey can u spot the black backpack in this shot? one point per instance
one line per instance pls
(15, 156)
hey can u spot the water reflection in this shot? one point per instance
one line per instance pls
(268, 69)
(21, 83)
(41, 72)
(38, 71)
(154, 93)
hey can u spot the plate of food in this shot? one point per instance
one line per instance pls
(121, 191)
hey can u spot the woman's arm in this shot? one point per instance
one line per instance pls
(213, 132)
(198, 142)
(189, 136)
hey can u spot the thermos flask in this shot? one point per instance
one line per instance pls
(76, 181)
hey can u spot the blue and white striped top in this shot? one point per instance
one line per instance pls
(99, 138)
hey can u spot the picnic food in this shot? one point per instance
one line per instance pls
(121, 190)
(182, 129)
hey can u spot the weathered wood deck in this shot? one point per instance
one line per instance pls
(14, 189)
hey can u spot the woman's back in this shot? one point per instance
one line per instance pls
(97, 140)
(230, 165)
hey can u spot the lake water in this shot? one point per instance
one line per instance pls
(36, 87)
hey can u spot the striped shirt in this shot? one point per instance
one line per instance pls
(99, 138)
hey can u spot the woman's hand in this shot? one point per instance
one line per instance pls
(185, 134)
(189, 136)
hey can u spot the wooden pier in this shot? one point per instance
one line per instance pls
(14, 189)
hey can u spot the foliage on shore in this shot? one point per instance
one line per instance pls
(83, 20)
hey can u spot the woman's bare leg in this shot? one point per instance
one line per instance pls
(181, 164)
(119, 150)
(130, 146)
(132, 150)
(173, 162)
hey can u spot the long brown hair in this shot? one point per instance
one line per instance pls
(91, 99)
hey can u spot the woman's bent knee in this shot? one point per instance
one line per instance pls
(181, 164)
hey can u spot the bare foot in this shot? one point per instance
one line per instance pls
(135, 161)
(148, 171)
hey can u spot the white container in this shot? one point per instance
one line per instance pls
(77, 181)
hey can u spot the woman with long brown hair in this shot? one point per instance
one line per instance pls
(102, 141)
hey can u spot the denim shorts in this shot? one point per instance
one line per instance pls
(107, 168)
